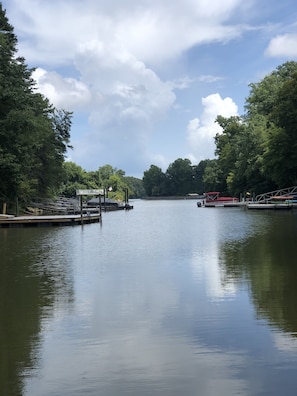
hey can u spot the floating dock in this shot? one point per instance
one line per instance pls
(270, 206)
(7, 221)
(224, 204)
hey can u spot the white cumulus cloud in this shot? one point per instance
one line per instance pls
(122, 97)
(283, 46)
(201, 131)
(66, 93)
(152, 31)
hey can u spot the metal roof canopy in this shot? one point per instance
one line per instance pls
(90, 192)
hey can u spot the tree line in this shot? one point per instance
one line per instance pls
(256, 152)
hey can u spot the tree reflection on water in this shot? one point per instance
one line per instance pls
(267, 260)
(31, 276)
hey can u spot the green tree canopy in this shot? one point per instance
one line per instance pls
(34, 136)
(258, 151)
(281, 154)
(153, 181)
(180, 177)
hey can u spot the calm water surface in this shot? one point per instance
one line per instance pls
(166, 299)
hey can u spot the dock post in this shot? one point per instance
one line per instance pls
(100, 207)
(81, 209)
(104, 199)
(17, 206)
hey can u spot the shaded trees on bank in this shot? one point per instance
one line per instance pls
(240, 149)
(154, 181)
(105, 177)
(34, 136)
(274, 99)
(281, 154)
(180, 178)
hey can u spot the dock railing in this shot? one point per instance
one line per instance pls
(281, 192)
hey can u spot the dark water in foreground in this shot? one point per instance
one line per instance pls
(167, 299)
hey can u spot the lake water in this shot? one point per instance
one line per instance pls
(166, 299)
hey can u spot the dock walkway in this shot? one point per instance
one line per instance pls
(46, 221)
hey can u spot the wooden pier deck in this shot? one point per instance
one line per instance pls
(48, 221)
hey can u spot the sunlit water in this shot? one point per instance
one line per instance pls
(165, 299)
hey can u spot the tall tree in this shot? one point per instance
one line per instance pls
(153, 181)
(275, 98)
(281, 155)
(34, 136)
(264, 94)
(211, 176)
(227, 150)
(240, 149)
(199, 171)
(180, 177)
(258, 151)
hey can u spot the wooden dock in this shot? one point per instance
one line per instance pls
(7, 221)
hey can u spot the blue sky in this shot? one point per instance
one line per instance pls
(146, 79)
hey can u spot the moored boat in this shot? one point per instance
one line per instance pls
(214, 199)
(282, 199)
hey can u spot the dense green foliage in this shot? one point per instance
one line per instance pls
(34, 136)
(256, 152)
(106, 177)
(178, 180)
(181, 178)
